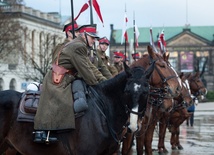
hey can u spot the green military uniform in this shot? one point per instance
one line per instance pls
(57, 49)
(97, 61)
(55, 111)
(119, 67)
(105, 60)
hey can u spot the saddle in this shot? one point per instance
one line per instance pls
(28, 106)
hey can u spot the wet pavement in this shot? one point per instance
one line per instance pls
(196, 140)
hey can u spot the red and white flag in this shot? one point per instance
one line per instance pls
(137, 34)
(124, 32)
(162, 42)
(84, 7)
(96, 7)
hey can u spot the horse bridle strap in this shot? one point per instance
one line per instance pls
(134, 112)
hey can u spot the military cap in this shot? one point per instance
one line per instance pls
(69, 27)
(90, 30)
(118, 55)
(104, 40)
(136, 56)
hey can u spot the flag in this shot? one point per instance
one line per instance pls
(96, 7)
(124, 32)
(152, 41)
(84, 7)
(162, 42)
(137, 34)
(160, 45)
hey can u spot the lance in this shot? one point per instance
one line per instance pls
(91, 13)
(134, 35)
(72, 18)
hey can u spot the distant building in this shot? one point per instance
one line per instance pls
(189, 47)
(38, 26)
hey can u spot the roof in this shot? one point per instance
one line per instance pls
(205, 32)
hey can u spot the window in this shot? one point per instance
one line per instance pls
(1, 84)
(12, 84)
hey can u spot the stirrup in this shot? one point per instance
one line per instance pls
(41, 137)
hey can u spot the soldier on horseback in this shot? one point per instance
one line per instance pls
(56, 108)
(101, 49)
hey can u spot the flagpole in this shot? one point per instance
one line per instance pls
(72, 17)
(91, 13)
(125, 39)
(134, 35)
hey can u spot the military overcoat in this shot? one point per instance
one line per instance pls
(55, 110)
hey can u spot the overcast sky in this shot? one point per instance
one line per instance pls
(148, 13)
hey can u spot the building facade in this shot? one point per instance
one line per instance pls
(191, 48)
(37, 28)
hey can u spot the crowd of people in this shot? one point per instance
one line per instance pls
(75, 63)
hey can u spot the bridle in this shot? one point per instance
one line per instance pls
(183, 103)
(158, 94)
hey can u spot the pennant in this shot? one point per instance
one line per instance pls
(124, 32)
(160, 45)
(97, 9)
(162, 42)
(152, 41)
(137, 34)
(84, 7)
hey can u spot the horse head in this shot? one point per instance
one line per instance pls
(185, 98)
(197, 86)
(164, 81)
(138, 82)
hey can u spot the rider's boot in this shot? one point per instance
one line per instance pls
(42, 137)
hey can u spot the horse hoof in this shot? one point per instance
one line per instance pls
(180, 147)
(165, 151)
(174, 148)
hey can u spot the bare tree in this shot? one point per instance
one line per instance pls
(32, 64)
(35, 66)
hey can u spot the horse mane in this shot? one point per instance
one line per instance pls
(111, 96)
(110, 93)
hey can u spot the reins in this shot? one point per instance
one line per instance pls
(112, 131)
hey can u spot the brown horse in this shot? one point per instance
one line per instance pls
(165, 85)
(177, 116)
(97, 132)
(198, 90)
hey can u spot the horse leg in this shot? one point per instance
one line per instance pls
(180, 147)
(141, 136)
(173, 138)
(127, 143)
(162, 133)
(149, 137)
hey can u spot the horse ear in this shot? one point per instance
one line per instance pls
(127, 69)
(166, 56)
(181, 75)
(150, 51)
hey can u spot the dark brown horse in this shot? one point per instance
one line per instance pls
(165, 85)
(177, 115)
(198, 90)
(98, 131)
